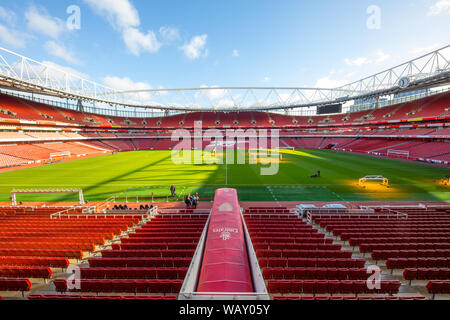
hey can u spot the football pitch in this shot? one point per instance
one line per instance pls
(142, 173)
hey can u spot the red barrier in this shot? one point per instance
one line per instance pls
(225, 266)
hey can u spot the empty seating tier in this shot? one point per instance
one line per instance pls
(417, 240)
(153, 259)
(31, 243)
(296, 258)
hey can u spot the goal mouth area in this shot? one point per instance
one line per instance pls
(398, 154)
(373, 179)
(15, 192)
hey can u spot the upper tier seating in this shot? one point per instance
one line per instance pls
(433, 106)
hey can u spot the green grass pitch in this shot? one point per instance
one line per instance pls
(143, 172)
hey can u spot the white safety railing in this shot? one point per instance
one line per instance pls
(75, 213)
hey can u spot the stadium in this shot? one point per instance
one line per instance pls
(225, 193)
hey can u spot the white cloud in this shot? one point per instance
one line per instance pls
(358, 62)
(8, 16)
(381, 56)
(39, 21)
(196, 47)
(124, 17)
(12, 37)
(169, 34)
(121, 14)
(327, 82)
(225, 103)
(137, 41)
(235, 53)
(266, 79)
(65, 69)
(442, 6)
(423, 50)
(59, 51)
(211, 94)
(126, 84)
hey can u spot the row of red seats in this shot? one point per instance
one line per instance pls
(148, 253)
(312, 233)
(108, 285)
(329, 223)
(48, 245)
(69, 228)
(74, 254)
(312, 262)
(419, 227)
(140, 262)
(297, 246)
(35, 261)
(368, 247)
(438, 287)
(331, 286)
(410, 223)
(268, 210)
(427, 253)
(426, 273)
(133, 273)
(392, 240)
(315, 273)
(288, 228)
(146, 246)
(25, 272)
(293, 253)
(151, 234)
(70, 297)
(69, 239)
(361, 298)
(269, 240)
(402, 263)
(160, 239)
(7, 284)
(85, 235)
(348, 235)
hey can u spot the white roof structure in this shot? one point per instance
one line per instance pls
(18, 72)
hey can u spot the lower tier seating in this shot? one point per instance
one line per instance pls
(35, 261)
(127, 285)
(438, 287)
(327, 298)
(68, 297)
(25, 272)
(7, 284)
(331, 286)
(315, 273)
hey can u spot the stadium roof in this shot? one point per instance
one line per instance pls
(21, 73)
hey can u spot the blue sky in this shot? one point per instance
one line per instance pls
(131, 44)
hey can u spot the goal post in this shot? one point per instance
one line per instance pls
(398, 154)
(60, 154)
(383, 180)
(40, 191)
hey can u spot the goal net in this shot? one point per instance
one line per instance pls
(373, 178)
(60, 154)
(398, 154)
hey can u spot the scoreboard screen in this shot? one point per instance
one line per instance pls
(332, 108)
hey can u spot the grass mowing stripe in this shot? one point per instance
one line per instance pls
(144, 172)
